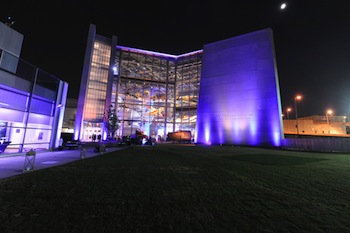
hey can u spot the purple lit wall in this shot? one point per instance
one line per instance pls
(239, 99)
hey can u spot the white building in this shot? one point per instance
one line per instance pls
(32, 101)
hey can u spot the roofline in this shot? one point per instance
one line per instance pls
(152, 53)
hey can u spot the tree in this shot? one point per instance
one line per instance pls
(111, 122)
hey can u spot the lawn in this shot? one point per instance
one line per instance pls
(174, 188)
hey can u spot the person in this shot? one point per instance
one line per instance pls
(153, 140)
(60, 144)
(144, 141)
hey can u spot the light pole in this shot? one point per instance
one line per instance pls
(298, 97)
(327, 117)
(288, 110)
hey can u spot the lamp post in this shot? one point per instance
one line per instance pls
(288, 110)
(298, 97)
(327, 117)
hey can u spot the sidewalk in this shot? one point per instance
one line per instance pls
(13, 164)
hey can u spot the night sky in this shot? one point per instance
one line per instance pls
(312, 38)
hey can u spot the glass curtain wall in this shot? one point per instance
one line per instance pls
(97, 91)
(188, 70)
(142, 91)
(155, 95)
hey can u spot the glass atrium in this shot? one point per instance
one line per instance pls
(153, 93)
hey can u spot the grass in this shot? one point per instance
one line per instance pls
(174, 188)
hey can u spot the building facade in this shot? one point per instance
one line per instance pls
(32, 101)
(239, 98)
(317, 125)
(156, 93)
(153, 93)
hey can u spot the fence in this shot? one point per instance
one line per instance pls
(318, 144)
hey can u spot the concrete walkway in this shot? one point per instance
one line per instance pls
(14, 164)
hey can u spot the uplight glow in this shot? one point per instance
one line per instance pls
(239, 104)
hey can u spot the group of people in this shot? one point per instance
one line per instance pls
(149, 141)
(137, 139)
(93, 137)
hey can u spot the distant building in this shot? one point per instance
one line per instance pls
(317, 125)
(225, 93)
(32, 101)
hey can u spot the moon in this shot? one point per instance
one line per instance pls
(283, 6)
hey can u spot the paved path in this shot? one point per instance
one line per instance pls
(13, 164)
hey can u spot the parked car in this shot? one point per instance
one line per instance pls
(71, 144)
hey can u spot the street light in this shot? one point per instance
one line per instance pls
(288, 110)
(329, 112)
(298, 97)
